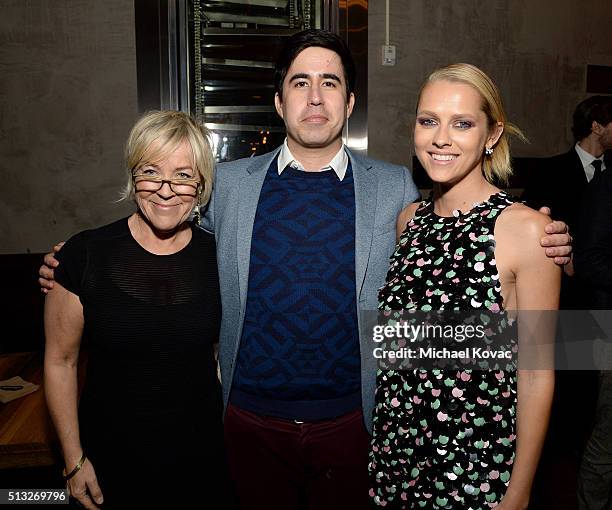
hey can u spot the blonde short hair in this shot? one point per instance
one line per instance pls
(498, 166)
(168, 129)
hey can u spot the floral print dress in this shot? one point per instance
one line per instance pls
(444, 439)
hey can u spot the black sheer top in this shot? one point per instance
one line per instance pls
(150, 324)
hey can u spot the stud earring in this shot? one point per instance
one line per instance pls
(488, 151)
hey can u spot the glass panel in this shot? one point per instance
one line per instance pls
(234, 46)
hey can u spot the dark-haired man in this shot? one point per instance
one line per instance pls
(310, 228)
(304, 236)
(563, 178)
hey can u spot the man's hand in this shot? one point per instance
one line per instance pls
(558, 241)
(46, 270)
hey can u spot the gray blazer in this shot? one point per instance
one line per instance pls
(382, 190)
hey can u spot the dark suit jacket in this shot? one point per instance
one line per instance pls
(593, 247)
(559, 185)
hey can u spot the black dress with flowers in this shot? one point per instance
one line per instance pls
(444, 438)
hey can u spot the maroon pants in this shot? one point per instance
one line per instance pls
(283, 465)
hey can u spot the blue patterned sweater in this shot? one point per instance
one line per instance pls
(299, 352)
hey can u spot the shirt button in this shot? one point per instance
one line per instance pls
(469, 489)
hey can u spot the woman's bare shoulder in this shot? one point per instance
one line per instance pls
(522, 221)
(405, 216)
(408, 212)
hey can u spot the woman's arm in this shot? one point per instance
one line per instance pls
(63, 330)
(536, 288)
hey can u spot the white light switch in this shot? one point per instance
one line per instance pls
(388, 55)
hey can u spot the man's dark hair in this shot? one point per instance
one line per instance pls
(593, 109)
(309, 38)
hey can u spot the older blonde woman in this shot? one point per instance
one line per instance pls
(144, 292)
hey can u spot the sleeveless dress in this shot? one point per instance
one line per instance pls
(444, 439)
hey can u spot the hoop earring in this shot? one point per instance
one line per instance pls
(488, 151)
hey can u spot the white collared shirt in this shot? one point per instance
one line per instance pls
(587, 158)
(338, 164)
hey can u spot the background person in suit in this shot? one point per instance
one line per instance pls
(564, 177)
(304, 235)
(593, 264)
(560, 185)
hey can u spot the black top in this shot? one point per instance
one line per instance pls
(151, 321)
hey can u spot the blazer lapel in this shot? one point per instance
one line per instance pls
(577, 170)
(365, 209)
(248, 198)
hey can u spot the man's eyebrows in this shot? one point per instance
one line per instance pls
(305, 76)
(299, 76)
(331, 76)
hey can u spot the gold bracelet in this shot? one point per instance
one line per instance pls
(76, 468)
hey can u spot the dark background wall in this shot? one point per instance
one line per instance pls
(67, 101)
(68, 92)
(536, 51)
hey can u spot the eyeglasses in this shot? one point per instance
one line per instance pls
(153, 183)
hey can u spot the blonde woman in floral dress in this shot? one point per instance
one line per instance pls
(463, 439)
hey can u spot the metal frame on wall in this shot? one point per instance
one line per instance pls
(162, 53)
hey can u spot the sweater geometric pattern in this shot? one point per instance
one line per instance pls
(299, 352)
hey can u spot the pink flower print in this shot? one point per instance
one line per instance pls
(457, 392)
(465, 376)
(442, 416)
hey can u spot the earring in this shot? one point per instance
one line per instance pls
(197, 215)
(488, 151)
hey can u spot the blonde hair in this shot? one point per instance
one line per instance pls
(168, 129)
(498, 166)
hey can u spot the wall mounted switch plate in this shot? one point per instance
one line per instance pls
(388, 55)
